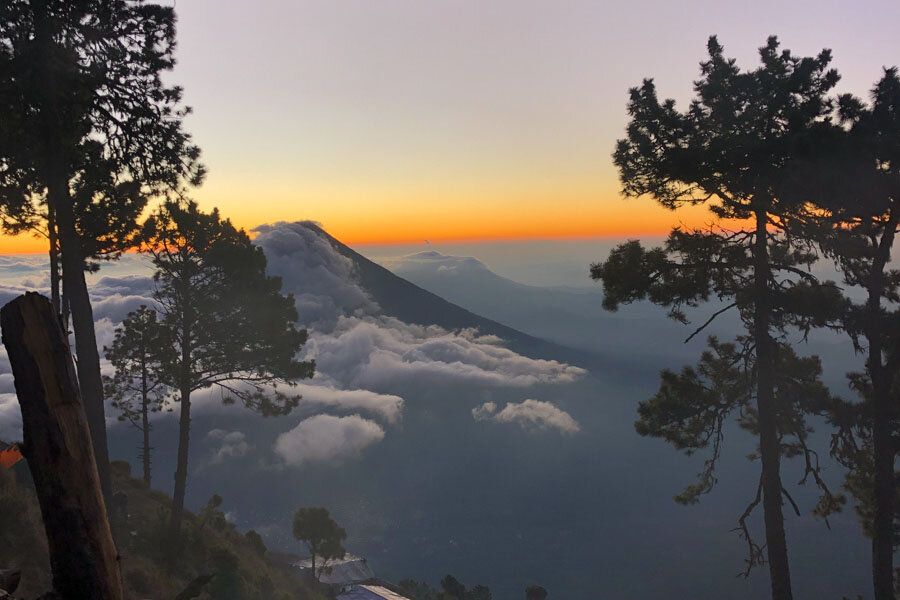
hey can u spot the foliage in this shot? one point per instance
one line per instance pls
(859, 166)
(256, 542)
(322, 536)
(88, 132)
(135, 389)
(418, 590)
(98, 65)
(451, 589)
(146, 571)
(535, 592)
(731, 150)
(226, 321)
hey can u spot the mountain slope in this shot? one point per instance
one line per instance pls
(408, 302)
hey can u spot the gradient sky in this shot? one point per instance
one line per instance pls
(404, 120)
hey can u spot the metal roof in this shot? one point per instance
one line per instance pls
(350, 569)
(370, 592)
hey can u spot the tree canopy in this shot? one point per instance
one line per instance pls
(135, 389)
(226, 321)
(321, 535)
(731, 150)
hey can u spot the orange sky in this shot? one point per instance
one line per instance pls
(399, 221)
(404, 121)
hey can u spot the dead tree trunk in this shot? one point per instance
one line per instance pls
(57, 445)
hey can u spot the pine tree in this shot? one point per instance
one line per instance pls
(854, 173)
(135, 389)
(322, 536)
(729, 151)
(227, 323)
(82, 104)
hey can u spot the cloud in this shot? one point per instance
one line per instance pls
(10, 418)
(227, 445)
(127, 285)
(324, 439)
(116, 306)
(321, 279)
(378, 351)
(323, 394)
(530, 415)
(361, 355)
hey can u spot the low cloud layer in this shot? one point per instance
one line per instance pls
(531, 415)
(361, 354)
(378, 351)
(326, 439)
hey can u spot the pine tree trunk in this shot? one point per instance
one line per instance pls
(184, 435)
(769, 444)
(882, 414)
(883, 526)
(74, 284)
(54, 259)
(184, 421)
(83, 321)
(145, 424)
(57, 445)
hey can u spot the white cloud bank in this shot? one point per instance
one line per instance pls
(530, 414)
(326, 439)
(361, 355)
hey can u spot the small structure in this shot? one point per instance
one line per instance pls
(341, 572)
(369, 592)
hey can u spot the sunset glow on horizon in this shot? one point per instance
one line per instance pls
(499, 221)
(401, 121)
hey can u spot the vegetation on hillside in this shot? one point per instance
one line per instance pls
(239, 562)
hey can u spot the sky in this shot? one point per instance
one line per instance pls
(399, 121)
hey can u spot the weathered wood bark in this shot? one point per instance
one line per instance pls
(769, 444)
(57, 445)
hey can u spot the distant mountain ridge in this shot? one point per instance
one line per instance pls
(408, 302)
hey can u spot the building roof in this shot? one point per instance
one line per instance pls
(350, 569)
(370, 592)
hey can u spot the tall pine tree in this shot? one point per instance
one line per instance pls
(81, 92)
(854, 175)
(729, 151)
(227, 322)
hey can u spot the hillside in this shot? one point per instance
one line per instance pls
(241, 566)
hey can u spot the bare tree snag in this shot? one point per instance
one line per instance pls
(57, 445)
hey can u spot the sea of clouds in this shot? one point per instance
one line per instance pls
(361, 354)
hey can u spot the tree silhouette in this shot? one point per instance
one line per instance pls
(692, 408)
(82, 102)
(729, 151)
(535, 592)
(322, 536)
(859, 169)
(135, 389)
(227, 323)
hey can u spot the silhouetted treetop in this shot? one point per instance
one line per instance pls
(734, 138)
